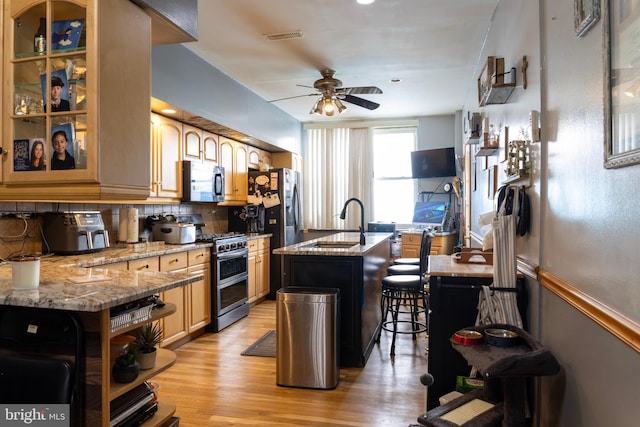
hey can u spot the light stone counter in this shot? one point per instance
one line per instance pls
(85, 283)
(339, 244)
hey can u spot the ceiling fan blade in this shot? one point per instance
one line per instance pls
(359, 90)
(360, 102)
(310, 87)
(291, 97)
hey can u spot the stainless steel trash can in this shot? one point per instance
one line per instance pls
(307, 348)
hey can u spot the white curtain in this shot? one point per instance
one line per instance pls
(337, 166)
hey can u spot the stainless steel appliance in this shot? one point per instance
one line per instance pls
(174, 233)
(74, 232)
(202, 182)
(229, 279)
(280, 192)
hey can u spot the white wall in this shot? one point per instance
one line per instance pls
(183, 79)
(584, 216)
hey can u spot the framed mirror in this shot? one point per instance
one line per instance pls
(622, 83)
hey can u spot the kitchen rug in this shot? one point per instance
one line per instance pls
(264, 346)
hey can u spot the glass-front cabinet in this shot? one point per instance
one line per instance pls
(76, 100)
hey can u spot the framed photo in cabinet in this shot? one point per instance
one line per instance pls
(62, 147)
(66, 34)
(20, 154)
(59, 99)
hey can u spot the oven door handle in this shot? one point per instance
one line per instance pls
(232, 254)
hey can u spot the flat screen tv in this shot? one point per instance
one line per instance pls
(439, 162)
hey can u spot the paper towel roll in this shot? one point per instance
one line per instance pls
(132, 225)
(122, 228)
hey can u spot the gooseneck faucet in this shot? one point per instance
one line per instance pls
(343, 214)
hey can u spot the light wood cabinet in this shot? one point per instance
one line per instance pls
(175, 326)
(108, 100)
(287, 160)
(233, 156)
(199, 145)
(166, 156)
(441, 244)
(258, 268)
(192, 302)
(258, 157)
(411, 245)
(199, 293)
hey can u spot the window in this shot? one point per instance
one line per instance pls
(393, 186)
(367, 162)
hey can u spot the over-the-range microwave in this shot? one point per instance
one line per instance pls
(202, 182)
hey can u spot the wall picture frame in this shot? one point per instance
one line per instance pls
(585, 15)
(484, 80)
(621, 20)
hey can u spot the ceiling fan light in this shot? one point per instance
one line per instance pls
(328, 107)
(317, 109)
(341, 107)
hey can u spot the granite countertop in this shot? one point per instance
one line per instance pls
(339, 244)
(86, 283)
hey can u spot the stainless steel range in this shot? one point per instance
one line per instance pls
(229, 279)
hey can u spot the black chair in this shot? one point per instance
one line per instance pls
(41, 358)
(402, 290)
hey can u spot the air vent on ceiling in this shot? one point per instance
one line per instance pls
(284, 36)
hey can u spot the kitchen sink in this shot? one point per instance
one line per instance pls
(331, 245)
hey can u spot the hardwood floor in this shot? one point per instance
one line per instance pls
(213, 385)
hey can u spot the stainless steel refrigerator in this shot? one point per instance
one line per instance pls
(280, 192)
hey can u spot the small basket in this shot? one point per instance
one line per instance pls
(131, 317)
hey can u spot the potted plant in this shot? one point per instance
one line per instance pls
(126, 368)
(147, 338)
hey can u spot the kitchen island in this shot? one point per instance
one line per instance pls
(89, 294)
(339, 261)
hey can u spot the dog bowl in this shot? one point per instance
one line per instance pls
(468, 337)
(501, 337)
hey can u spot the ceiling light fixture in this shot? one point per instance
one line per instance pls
(327, 104)
(365, 1)
(328, 107)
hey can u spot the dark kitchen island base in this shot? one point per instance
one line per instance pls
(359, 280)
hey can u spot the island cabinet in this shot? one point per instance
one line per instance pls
(259, 268)
(164, 360)
(357, 272)
(103, 76)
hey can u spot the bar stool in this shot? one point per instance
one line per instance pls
(406, 290)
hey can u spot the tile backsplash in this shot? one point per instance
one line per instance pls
(22, 235)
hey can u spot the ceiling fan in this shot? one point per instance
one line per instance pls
(332, 94)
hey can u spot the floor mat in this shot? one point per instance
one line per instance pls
(264, 346)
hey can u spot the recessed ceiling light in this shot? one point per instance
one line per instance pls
(168, 111)
(395, 80)
(365, 1)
